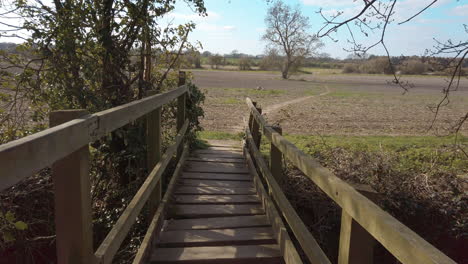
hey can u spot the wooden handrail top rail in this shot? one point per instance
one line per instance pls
(402, 242)
(25, 156)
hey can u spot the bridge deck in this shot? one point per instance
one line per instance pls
(216, 215)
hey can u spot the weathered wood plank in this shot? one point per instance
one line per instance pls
(215, 199)
(402, 242)
(72, 189)
(218, 151)
(219, 155)
(213, 190)
(182, 210)
(356, 245)
(217, 159)
(217, 237)
(218, 222)
(195, 166)
(158, 218)
(216, 183)
(308, 243)
(226, 254)
(111, 243)
(23, 157)
(217, 176)
(288, 250)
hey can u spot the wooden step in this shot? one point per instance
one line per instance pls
(217, 151)
(215, 183)
(215, 167)
(257, 254)
(217, 222)
(224, 148)
(217, 159)
(215, 210)
(216, 237)
(212, 190)
(217, 176)
(216, 199)
(236, 155)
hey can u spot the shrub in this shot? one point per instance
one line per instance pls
(351, 68)
(245, 63)
(413, 67)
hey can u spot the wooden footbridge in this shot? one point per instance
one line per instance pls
(223, 204)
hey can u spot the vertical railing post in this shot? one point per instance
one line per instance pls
(356, 244)
(181, 111)
(72, 189)
(153, 142)
(276, 158)
(255, 128)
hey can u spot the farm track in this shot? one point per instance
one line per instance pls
(276, 107)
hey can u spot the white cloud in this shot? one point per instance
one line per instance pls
(460, 10)
(229, 28)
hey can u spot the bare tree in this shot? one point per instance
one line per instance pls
(373, 17)
(287, 29)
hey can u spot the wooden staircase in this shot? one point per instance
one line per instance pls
(216, 215)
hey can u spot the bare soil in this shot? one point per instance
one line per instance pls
(330, 103)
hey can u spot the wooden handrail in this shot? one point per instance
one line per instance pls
(25, 156)
(402, 242)
(108, 248)
(308, 243)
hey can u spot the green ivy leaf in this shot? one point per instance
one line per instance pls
(20, 225)
(8, 237)
(10, 217)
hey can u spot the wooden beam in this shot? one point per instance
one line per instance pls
(114, 239)
(356, 245)
(308, 243)
(158, 218)
(402, 242)
(181, 105)
(72, 190)
(276, 159)
(23, 157)
(153, 143)
(288, 250)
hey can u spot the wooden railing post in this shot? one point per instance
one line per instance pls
(255, 127)
(181, 110)
(153, 141)
(72, 189)
(276, 158)
(356, 244)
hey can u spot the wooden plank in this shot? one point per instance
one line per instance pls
(217, 159)
(288, 250)
(115, 237)
(216, 199)
(217, 237)
(276, 159)
(182, 210)
(217, 176)
(194, 166)
(219, 155)
(217, 222)
(158, 219)
(72, 189)
(356, 245)
(23, 157)
(225, 148)
(181, 104)
(402, 242)
(153, 156)
(308, 243)
(216, 183)
(213, 190)
(218, 151)
(227, 254)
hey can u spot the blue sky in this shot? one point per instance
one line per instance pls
(239, 24)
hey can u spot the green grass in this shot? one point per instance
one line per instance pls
(229, 101)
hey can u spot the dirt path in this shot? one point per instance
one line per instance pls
(276, 107)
